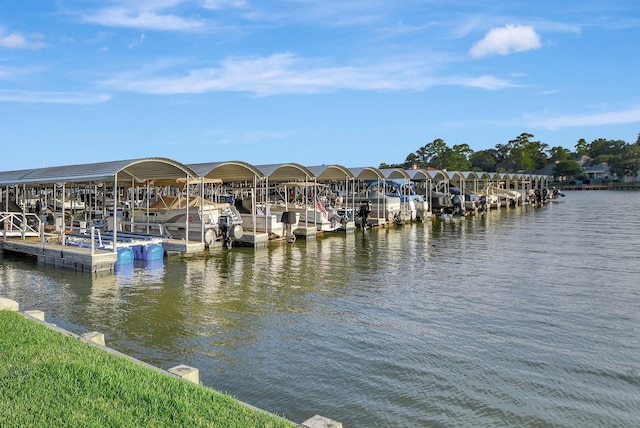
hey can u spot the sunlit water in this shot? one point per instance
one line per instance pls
(520, 317)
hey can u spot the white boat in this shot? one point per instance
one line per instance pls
(69, 204)
(505, 196)
(325, 217)
(491, 201)
(394, 201)
(275, 223)
(472, 201)
(323, 209)
(207, 220)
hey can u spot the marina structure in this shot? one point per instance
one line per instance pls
(95, 217)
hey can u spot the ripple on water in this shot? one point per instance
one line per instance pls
(519, 317)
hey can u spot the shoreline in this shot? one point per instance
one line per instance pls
(185, 376)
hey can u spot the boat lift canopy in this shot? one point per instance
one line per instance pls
(115, 171)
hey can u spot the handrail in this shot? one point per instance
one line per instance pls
(162, 230)
(93, 235)
(17, 221)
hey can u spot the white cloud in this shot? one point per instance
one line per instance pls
(402, 30)
(286, 73)
(506, 40)
(137, 42)
(282, 73)
(599, 119)
(6, 73)
(19, 73)
(471, 23)
(221, 4)
(20, 41)
(489, 82)
(143, 19)
(52, 97)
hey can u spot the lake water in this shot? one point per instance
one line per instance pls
(524, 316)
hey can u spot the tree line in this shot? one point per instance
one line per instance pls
(525, 154)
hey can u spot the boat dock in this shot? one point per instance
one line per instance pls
(50, 252)
(54, 254)
(608, 186)
(90, 218)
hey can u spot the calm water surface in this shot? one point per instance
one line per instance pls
(520, 317)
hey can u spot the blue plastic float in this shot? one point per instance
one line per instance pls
(125, 256)
(148, 252)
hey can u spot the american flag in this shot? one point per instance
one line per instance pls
(321, 208)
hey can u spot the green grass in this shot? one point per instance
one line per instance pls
(48, 379)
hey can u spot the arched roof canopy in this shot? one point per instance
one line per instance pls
(484, 176)
(418, 175)
(470, 175)
(493, 176)
(228, 171)
(395, 173)
(367, 173)
(330, 172)
(285, 172)
(438, 175)
(15, 177)
(455, 176)
(122, 171)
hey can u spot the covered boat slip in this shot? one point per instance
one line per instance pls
(309, 200)
(95, 209)
(261, 195)
(63, 234)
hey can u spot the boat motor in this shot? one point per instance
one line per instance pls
(457, 205)
(289, 219)
(363, 213)
(483, 203)
(230, 227)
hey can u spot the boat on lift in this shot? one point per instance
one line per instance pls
(173, 214)
(394, 200)
(316, 204)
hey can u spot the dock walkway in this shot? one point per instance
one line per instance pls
(607, 186)
(82, 259)
(50, 253)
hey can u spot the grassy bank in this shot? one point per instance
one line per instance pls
(49, 379)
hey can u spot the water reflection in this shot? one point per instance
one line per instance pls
(513, 317)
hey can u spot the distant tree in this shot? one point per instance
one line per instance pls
(627, 163)
(456, 158)
(503, 151)
(603, 159)
(426, 155)
(520, 154)
(582, 147)
(525, 154)
(484, 160)
(559, 153)
(411, 160)
(566, 168)
(421, 156)
(602, 150)
(436, 153)
(432, 154)
(393, 165)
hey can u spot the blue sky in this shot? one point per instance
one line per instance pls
(354, 83)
